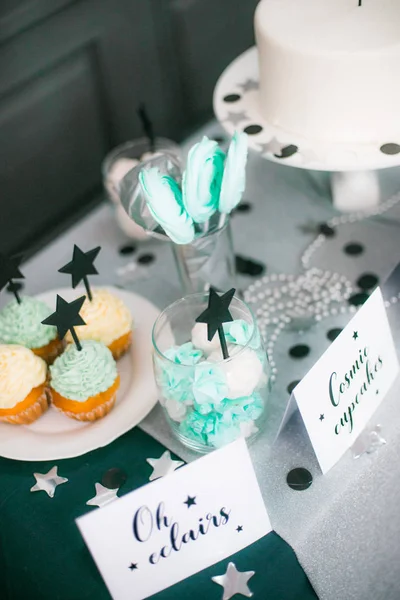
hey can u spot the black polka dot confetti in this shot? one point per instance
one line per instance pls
(391, 148)
(358, 299)
(326, 230)
(127, 249)
(287, 151)
(253, 129)
(333, 333)
(15, 286)
(244, 207)
(367, 281)
(114, 478)
(353, 249)
(232, 98)
(299, 479)
(299, 351)
(292, 385)
(248, 266)
(146, 259)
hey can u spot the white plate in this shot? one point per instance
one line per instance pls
(55, 436)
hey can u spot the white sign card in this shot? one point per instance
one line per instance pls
(341, 392)
(178, 525)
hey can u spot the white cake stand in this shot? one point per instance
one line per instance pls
(354, 180)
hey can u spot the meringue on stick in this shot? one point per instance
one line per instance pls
(201, 181)
(234, 177)
(164, 200)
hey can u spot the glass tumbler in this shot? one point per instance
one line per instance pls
(209, 401)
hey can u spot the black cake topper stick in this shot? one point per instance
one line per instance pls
(216, 314)
(81, 266)
(66, 317)
(9, 270)
(147, 125)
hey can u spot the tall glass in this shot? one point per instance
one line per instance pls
(210, 401)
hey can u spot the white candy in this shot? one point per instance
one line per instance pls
(176, 410)
(247, 429)
(216, 355)
(117, 172)
(243, 374)
(128, 226)
(200, 341)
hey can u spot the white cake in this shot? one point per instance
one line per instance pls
(330, 69)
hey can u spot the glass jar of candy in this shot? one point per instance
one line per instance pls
(210, 401)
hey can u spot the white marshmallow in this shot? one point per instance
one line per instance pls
(243, 374)
(200, 341)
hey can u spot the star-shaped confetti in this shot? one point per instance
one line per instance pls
(103, 496)
(236, 117)
(133, 567)
(249, 85)
(271, 147)
(239, 528)
(9, 270)
(321, 417)
(215, 315)
(368, 441)
(190, 501)
(47, 482)
(355, 335)
(81, 266)
(234, 582)
(163, 466)
(66, 317)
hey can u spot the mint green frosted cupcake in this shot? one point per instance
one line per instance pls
(22, 324)
(84, 383)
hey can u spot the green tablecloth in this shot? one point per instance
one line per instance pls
(43, 556)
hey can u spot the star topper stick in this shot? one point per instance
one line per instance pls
(66, 317)
(215, 315)
(147, 124)
(9, 270)
(81, 266)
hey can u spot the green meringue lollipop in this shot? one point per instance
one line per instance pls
(234, 178)
(164, 200)
(201, 181)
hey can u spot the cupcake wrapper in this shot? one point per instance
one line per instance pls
(97, 413)
(29, 415)
(118, 349)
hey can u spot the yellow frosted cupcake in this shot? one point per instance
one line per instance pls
(107, 320)
(24, 394)
(84, 382)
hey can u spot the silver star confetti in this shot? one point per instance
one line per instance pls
(163, 466)
(249, 85)
(234, 582)
(272, 147)
(47, 482)
(103, 496)
(236, 118)
(368, 441)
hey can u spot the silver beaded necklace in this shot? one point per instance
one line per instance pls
(297, 301)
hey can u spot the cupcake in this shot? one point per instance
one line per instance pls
(107, 320)
(24, 393)
(22, 324)
(84, 382)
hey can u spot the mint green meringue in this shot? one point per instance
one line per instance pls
(22, 323)
(201, 181)
(164, 200)
(234, 178)
(78, 375)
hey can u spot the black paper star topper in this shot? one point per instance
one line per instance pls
(81, 266)
(215, 315)
(66, 317)
(191, 500)
(146, 124)
(9, 270)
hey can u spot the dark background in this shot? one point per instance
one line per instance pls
(72, 73)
